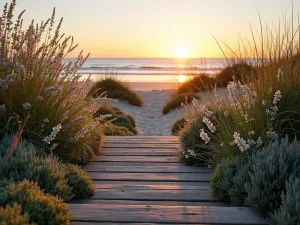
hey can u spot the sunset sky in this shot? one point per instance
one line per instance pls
(156, 28)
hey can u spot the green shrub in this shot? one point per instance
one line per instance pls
(42, 209)
(12, 215)
(113, 130)
(118, 118)
(81, 184)
(37, 84)
(197, 84)
(289, 211)
(116, 90)
(222, 178)
(240, 71)
(178, 126)
(271, 169)
(176, 102)
(124, 121)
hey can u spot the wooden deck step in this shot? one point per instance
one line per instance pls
(141, 181)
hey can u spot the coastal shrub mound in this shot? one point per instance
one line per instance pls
(48, 172)
(116, 90)
(81, 184)
(40, 207)
(117, 118)
(42, 91)
(222, 178)
(289, 211)
(54, 177)
(114, 130)
(178, 125)
(271, 170)
(196, 84)
(239, 71)
(12, 215)
(177, 100)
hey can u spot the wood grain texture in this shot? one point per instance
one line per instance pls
(141, 181)
(163, 177)
(165, 214)
(99, 167)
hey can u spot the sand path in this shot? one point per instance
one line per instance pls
(149, 118)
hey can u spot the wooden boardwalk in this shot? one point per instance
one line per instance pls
(139, 180)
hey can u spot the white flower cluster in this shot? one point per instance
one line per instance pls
(197, 104)
(53, 134)
(85, 130)
(240, 142)
(7, 80)
(64, 116)
(280, 74)
(26, 106)
(52, 89)
(272, 135)
(191, 153)
(204, 136)
(209, 124)
(40, 99)
(53, 147)
(272, 110)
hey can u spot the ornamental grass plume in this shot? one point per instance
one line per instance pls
(37, 79)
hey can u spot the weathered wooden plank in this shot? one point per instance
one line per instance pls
(146, 141)
(144, 185)
(164, 159)
(132, 163)
(99, 167)
(139, 145)
(183, 177)
(137, 152)
(140, 137)
(104, 223)
(148, 202)
(165, 214)
(196, 195)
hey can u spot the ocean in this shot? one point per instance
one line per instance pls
(150, 69)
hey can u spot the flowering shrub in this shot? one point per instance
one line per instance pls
(177, 101)
(42, 90)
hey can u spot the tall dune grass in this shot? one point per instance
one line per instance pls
(260, 108)
(44, 92)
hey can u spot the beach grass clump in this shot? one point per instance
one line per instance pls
(177, 126)
(118, 118)
(41, 208)
(42, 98)
(177, 102)
(12, 215)
(115, 89)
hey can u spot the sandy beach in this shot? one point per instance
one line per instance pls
(149, 119)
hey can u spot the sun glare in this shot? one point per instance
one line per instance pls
(182, 53)
(181, 78)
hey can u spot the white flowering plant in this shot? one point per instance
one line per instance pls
(37, 82)
(260, 107)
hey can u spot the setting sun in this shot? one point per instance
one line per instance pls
(182, 53)
(181, 78)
